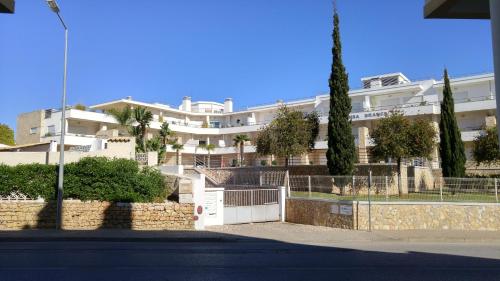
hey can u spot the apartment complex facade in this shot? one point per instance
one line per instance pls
(205, 122)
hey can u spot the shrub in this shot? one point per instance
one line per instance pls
(93, 178)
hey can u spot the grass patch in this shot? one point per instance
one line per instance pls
(411, 197)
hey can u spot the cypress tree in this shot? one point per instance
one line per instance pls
(451, 147)
(341, 150)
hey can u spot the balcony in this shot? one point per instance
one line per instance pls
(408, 109)
(469, 135)
(475, 104)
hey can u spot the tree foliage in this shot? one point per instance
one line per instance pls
(239, 141)
(396, 137)
(209, 148)
(177, 147)
(451, 147)
(143, 117)
(341, 152)
(313, 122)
(80, 106)
(123, 117)
(289, 134)
(92, 178)
(486, 147)
(6, 135)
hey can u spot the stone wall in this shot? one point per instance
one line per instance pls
(483, 169)
(395, 215)
(318, 212)
(78, 215)
(428, 215)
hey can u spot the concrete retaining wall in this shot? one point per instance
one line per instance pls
(78, 215)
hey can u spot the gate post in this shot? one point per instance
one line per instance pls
(309, 185)
(496, 190)
(282, 202)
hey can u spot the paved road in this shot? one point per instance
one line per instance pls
(241, 258)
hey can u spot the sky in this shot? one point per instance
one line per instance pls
(255, 51)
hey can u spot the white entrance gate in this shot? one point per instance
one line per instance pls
(253, 205)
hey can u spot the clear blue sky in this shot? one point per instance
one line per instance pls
(254, 51)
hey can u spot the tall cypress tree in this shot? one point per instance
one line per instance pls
(451, 147)
(341, 150)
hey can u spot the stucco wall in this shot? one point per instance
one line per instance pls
(27, 121)
(15, 158)
(78, 215)
(124, 150)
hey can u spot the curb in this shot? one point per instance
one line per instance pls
(118, 239)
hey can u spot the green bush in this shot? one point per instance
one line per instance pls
(93, 178)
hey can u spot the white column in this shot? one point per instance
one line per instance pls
(367, 104)
(282, 202)
(495, 30)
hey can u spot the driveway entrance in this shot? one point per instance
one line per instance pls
(251, 205)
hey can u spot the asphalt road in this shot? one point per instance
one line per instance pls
(238, 258)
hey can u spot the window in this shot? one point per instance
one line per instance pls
(48, 113)
(51, 130)
(33, 130)
(215, 124)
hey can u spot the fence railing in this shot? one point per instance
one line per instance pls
(142, 158)
(247, 177)
(383, 188)
(250, 197)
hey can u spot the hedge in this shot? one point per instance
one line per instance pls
(93, 178)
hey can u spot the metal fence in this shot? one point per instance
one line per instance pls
(246, 177)
(250, 197)
(383, 188)
(455, 189)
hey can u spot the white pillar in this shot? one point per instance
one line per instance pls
(282, 200)
(495, 30)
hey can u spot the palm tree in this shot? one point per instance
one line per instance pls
(177, 147)
(165, 133)
(123, 117)
(143, 117)
(239, 140)
(208, 148)
(155, 144)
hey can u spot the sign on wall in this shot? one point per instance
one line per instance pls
(346, 210)
(334, 209)
(211, 204)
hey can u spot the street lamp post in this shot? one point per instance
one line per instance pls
(60, 182)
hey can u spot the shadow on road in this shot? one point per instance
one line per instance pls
(203, 255)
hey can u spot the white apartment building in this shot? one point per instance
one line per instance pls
(216, 123)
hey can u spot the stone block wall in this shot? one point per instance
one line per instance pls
(317, 212)
(78, 215)
(428, 216)
(395, 215)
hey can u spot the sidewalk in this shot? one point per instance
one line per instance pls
(308, 234)
(285, 232)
